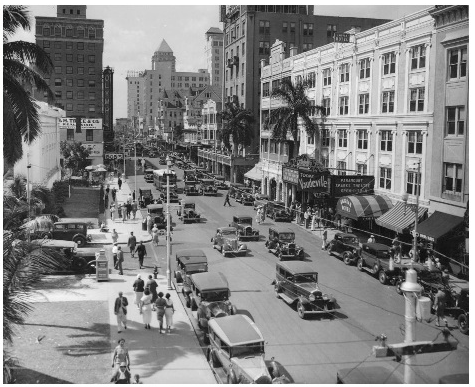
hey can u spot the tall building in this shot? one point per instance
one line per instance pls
(214, 56)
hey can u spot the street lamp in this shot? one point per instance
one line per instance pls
(169, 279)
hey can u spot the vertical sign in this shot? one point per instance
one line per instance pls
(108, 76)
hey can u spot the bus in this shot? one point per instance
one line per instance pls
(160, 179)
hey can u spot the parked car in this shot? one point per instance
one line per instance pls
(208, 188)
(145, 197)
(158, 215)
(278, 212)
(69, 231)
(244, 196)
(281, 242)
(227, 242)
(148, 175)
(220, 182)
(188, 213)
(236, 352)
(190, 188)
(173, 195)
(189, 175)
(297, 282)
(188, 262)
(374, 258)
(235, 189)
(243, 225)
(259, 196)
(345, 246)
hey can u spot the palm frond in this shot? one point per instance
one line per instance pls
(14, 17)
(29, 54)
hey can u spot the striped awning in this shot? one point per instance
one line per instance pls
(401, 217)
(365, 206)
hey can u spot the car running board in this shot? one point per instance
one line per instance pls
(286, 298)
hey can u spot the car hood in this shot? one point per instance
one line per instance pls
(251, 367)
(218, 308)
(310, 287)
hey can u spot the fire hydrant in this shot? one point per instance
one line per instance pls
(155, 272)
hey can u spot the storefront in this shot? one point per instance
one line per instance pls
(253, 178)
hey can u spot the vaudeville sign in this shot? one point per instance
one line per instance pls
(314, 182)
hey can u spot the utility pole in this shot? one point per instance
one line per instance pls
(169, 280)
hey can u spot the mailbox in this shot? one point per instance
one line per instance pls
(102, 266)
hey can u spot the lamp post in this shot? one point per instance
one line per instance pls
(169, 280)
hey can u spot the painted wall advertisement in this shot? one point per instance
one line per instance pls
(314, 182)
(97, 150)
(86, 123)
(352, 185)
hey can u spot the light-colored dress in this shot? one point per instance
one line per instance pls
(169, 312)
(146, 303)
(258, 216)
(155, 235)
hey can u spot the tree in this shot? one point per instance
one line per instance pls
(236, 125)
(178, 133)
(23, 63)
(284, 120)
(75, 155)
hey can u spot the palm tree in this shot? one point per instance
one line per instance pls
(284, 120)
(23, 63)
(237, 125)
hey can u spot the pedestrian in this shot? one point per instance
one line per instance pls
(138, 289)
(114, 254)
(106, 201)
(119, 211)
(397, 248)
(134, 208)
(140, 250)
(119, 183)
(129, 198)
(263, 214)
(155, 235)
(314, 219)
(131, 243)
(133, 196)
(136, 379)
(120, 310)
(226, 200)
(107, 190)
(114, 194)
(112, 211)
(146, 308)
(338, 221)
(258, 215)
(160, 305)
(371, 239)
(128, 209)
(306, 217)
(152, 286)
(169, 310)
(120, 260)
(121, 375)
(114, 236)
(439, 306)
(324, 235)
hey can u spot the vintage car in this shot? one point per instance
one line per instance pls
(148, 175)
(188, 213)
(236, 352)
(173, 194)
(297, 282)
(189, 175)
(374, 258)
(220, 182)
(243, 225)
(210, 296)
(345, 246)
(145, 197)
(278, 212)
(208, 188)
(235, 189)
(188, 262)
(190, 188)
(244, 196)
(156, 211)
(281, 242)
(227, 242)
(69, 231)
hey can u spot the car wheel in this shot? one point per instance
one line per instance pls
(233, 310)
(193, 304)
(188, 303)
(81, 241)
(79, 263)
(383, 278)
(463, 323)
(347, 258)
(46, 235)
(359, 265)
(375, 269)
(300, 310)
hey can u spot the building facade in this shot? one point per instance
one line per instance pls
(214, 51)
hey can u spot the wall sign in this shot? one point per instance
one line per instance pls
(314, 182)
(351, 185)
(86, 123)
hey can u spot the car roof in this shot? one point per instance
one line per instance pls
(207, 180)
(154, 206)
(236, 329)
(227, 229)
(191, 256)
(345, 235)
(243, 216)
(210, 281)
(297, 267)
(377, 246)
(54, 243)
(280, 229)
(71, 222)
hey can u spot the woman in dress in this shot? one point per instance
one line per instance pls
(160, 305)
(258, 215)
(169, 310)
(146, 308)
(155, 235)
(138, 289)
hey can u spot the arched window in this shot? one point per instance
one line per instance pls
(81, 32)
(91, 33)
(57, 30)
(46, 31)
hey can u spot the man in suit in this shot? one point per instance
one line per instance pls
(141, 253)
(132, 242)
(120, 259)
(120, 310)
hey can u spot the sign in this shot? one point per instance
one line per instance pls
(96, 150)
(114, 156)
(352, 185)
(314, 182)
(340, 37)
(86, 123)
(290, 175)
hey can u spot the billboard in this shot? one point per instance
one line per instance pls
(352, 185)
(86, 123)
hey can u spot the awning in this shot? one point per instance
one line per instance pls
(365, 206)
(400, 217)
(254, 174)
(438, 225)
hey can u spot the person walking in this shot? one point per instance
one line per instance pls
(258, 215)
(114, 254)
(120, 260)
(306, 217)
(106, 201)
(133, 196)
(134, 208)
(263, 214)
(142, 252)
(160, 305)
(169, 310)
(114, 194)
(115, 236)
(152, 286)
(226, 200)
(119, 183)
(132, 242)
(120, 310)
(121, 355)
(314, 219)
(119, 211)
(155, 235)
(324, 235)
(439, 306)
(121, 375)
(128, 209)
(146, 308)
(149, 224)
(397, 248)
(138, 289)
(129, 198)
(112, 211)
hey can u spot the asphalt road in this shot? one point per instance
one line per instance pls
(312, 350)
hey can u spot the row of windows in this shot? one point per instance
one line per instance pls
(79, 95)
(277, 8)
(273, 147)
(234, 33)
(235, 90)
(80, 107)
(58, 82)
(79, 58)
(89, 134)
(70, 70)
(68, 32)
(68, 45)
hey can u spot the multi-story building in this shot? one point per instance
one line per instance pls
(214, 56)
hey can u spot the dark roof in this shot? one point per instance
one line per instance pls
(297, 267)
(214, 30)
(377, 246)
(73, 221)
(438, 224)
(154, 206)
(164, 47)
(243, 216)
(191, 256)
(210, 281)
(345, 235)
(236, 329)
(280, 229)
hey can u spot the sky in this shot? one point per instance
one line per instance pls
(132, 33)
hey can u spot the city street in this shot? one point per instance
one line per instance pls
(311, 350)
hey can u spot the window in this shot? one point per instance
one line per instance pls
(362, 169)
(69, 45)
(284, 149)
(57, 82)
(92, 58)
(80, 70)
(69, 32)
(308, 29)
(69, 82)
(331, 29)
(455, 125)
(365, 68)
(46, 31)
(453, 178)
(327, 77)
(389, 63)
(92, 96)
(458, 63)
(363, 106)
(243, 31)
(70, 135)
(80, 94)
(69, 95)
(311, 140)
(345, 72)
(325, 136)
(414, 142)
(385, 178)
(80, 46)
(81, 107)
(264, 27)
(413, 183)
(362, 139)
(69, 69)
(80, 82)
(58, 94)
(242, 89)
(243, 51)
(341, 166)
(416, 104)
(57, 45)
(57, 57)
(81, 33)
(264, 48)
(69, 57)
(57, 69)
(92, 71)
(307, 46)
(284, 27)
(386, 143)
(418, 57)
(69, 107)
(92, 108)
(46, 43)
(326, 102)
(388, 102)
(343, 105)
(311, 80)
(89, 135)
(275, 84)
(292, 27)
(91, 46)
(92, 33)
(272, 147)
(342, 139)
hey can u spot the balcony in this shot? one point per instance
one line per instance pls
(230, 63)
(236, 60)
